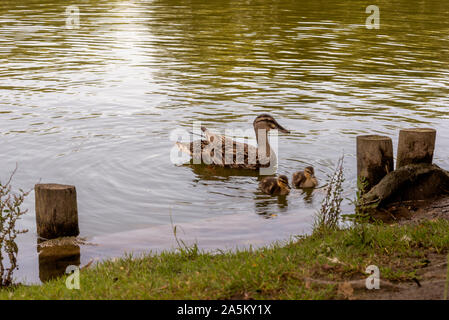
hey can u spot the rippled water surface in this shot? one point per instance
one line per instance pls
(94, 106)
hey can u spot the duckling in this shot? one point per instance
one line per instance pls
(275, 186)
(305, 179)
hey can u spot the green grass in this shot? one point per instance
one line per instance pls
(276, 272)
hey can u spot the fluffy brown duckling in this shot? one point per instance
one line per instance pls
(305, 179)
(275, 186)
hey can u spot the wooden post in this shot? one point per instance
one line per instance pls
(415, 146)
(374, 159)
(56, 211)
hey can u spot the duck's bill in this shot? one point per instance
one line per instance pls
(282, 129)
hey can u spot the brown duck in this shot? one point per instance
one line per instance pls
(305, 179)
(275, 186)
(241, 155)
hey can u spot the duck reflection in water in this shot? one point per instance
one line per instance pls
(307, 193)
(269, 206)
(214, 173)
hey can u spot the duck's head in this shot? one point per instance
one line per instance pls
(283, 182)
(309, 173)
(267, 122)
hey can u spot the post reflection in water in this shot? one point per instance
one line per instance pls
(53, 260)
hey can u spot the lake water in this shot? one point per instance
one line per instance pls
(94, 105)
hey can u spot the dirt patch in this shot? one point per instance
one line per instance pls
(432, 276)
(416, 211)
(431, 285)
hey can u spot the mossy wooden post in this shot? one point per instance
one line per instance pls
(374, 159)
(415, 146)
(56, 211)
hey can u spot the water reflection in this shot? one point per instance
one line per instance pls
(307, 193)
(267, 205)
(53, 260)
(215, 173)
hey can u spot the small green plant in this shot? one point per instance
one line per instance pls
(361, 213)
(10, 212)
(329, 215)
(361, 217)
(185, 250)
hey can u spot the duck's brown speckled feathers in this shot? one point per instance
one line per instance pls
(232, 163)
(239, 158)
(298, 178)
(275, 186)
(305, 179)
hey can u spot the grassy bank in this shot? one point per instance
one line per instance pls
(313, 267)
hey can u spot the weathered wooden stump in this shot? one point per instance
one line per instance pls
(374, 159)
(409, 183)
(415, 146)
(56, 211)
